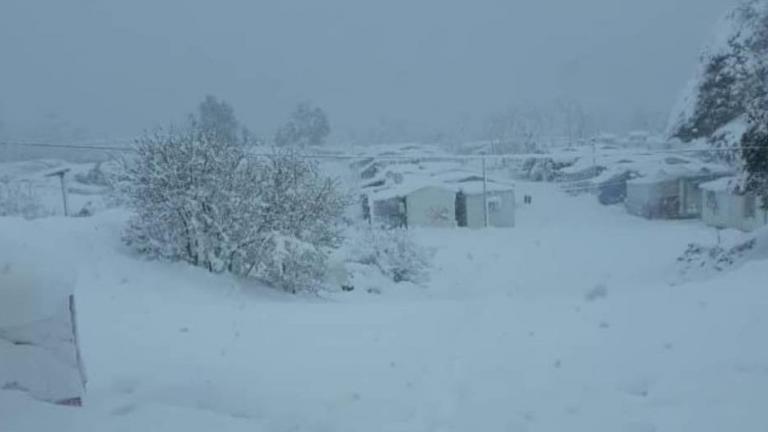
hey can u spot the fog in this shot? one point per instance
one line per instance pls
(114, 68)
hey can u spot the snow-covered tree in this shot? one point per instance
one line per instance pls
(754, 151)
(514, 130)
(217, 118)
(573, 118)
(727, 102)
(715, 102)
(202, 199)
(393, 252)
(307, 126)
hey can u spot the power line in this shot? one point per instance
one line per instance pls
(67, 146)
(424, 157)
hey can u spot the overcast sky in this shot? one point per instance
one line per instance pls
(117, 67)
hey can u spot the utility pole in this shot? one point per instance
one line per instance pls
(60, 174)
(485, 194)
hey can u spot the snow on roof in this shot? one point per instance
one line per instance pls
(476, 187)
(407, 187)
(676, 172)
(649, 164)
(719, 185)
(454, 180)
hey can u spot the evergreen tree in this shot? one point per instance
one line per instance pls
(754, 151)
(729, 78)
(199, 197)
(217, 119)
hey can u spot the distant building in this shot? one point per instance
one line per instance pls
(421, 205)
(725, 208)
(469, 205)
(448, 200)
(607, 139)
(668, 196)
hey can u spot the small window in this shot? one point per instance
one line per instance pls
(750, 206)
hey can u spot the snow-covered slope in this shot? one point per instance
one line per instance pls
(721, 88)
(565, 323)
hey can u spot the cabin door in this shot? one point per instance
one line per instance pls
(461, 209)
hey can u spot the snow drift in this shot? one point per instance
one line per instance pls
(33, 283)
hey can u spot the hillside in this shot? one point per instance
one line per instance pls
(714, 102)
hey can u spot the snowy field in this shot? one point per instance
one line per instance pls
(575, 320)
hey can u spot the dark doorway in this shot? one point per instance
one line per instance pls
(461, 209)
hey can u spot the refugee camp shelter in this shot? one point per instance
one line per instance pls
(444, 199)
(469, 204)
(414, 204)
(725, 207)
(666, 195)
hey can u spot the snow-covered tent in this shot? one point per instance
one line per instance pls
(414, 204)
(39, 351)
(448, 199)
(670, 193)
(469, 204)
(724, 208)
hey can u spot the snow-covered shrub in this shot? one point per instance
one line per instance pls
(703, 260)
(86, 210)
(293, 265)
(393, 252)
(202, 199)
(95, 176)
(18, 199)
(303, 212)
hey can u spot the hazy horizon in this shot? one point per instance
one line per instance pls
(116, 68)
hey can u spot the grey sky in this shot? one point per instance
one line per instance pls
(117, 67)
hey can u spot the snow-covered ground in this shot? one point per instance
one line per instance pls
(568, 322)
(32, 176)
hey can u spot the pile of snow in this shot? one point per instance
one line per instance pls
(722, 184)
(34, 283)
(705, 260)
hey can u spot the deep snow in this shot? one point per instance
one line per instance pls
(568, 322)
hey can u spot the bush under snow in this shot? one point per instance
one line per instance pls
(712, 259)
(393, 252)
(203, 200)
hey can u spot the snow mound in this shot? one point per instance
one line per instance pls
(33, 283)
(702, 260)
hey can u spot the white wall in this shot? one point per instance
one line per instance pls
(644, 199)
(730, 212)
(431, 206)
(503, 216)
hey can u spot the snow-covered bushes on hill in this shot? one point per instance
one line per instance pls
(19, 199)
(203, 200)
(703, 260)
(393, 252)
